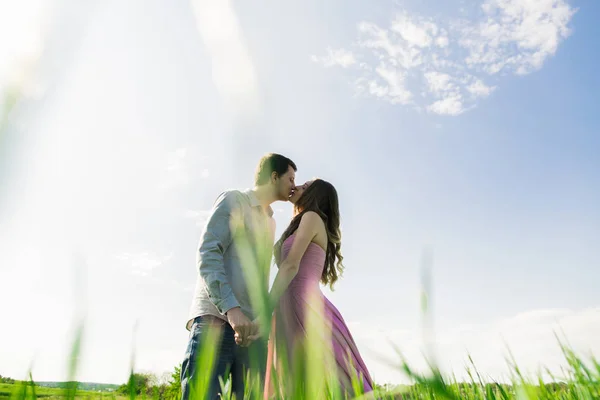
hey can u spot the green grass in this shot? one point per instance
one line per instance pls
(311, 375)
(580, 382)
(16, 391)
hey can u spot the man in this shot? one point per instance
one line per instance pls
(234, 256)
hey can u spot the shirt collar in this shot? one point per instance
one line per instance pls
(255, 203)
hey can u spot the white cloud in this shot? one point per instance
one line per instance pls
(178, 168)
(530, 337)
(199, 216)
(517, 35)
(175, 160)
(451, 105)
(142, 264)
(418, 33)
(442, 41)
(480, 89)
(175, 172)
(438, 82)
(389, 46)
(339, 57)
(442, 87)
(394, 89)
(445, 65)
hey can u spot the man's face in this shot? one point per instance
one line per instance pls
(285, 185)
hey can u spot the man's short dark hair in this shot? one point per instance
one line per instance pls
(270, 163)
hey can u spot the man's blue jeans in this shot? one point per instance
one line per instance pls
(231, 360)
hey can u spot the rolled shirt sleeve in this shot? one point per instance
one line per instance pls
(218, 235)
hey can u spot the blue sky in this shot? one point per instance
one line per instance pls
(484, 154)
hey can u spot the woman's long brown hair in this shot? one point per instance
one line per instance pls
(320, 197)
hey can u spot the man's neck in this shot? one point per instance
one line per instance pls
(264, 195)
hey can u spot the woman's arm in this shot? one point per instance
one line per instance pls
(306, 232)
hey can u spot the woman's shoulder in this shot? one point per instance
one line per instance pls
(312, 221)
(312, 224)
(311, 217)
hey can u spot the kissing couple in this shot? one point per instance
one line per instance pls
(264, 332)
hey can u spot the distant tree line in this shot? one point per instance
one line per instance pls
(150, 385)
(5, 379)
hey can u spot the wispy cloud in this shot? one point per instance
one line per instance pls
(516, 35)
(199, 216)
(143, 264)
(340, 57)
(446, 66)
(175, 171)
(175, 160)
(530, 336)
(181, 166)
(480, 89)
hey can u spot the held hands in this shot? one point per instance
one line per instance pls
(256, 333)
(246, 331)
(252, 335)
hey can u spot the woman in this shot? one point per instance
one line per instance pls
(307, 254)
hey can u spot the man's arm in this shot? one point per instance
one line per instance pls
(218, 235)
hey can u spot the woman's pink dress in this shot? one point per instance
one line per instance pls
(304, 296)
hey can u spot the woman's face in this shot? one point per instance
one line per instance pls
(299, 190)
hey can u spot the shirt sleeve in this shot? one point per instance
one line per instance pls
(218, 235)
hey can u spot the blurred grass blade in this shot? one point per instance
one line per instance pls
(205, 361)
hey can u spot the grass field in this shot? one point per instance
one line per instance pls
(581, 381)
(19, 391)
(313, 377)
(313, 373)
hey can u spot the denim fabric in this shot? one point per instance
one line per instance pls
(231, 360)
